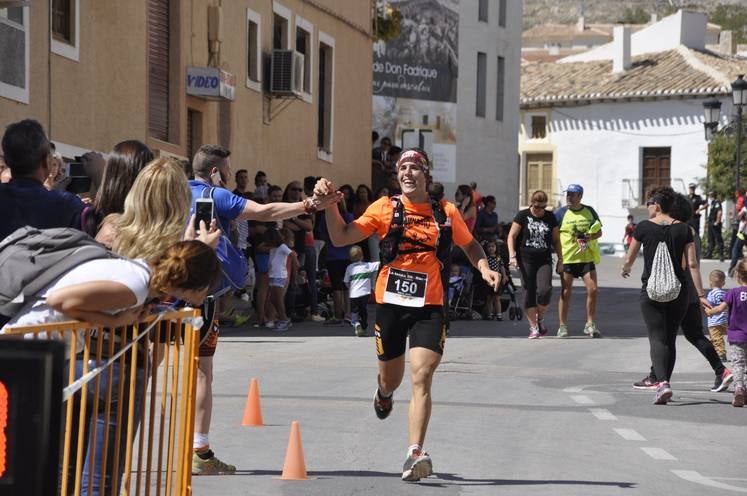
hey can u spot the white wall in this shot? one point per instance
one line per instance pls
(486, 149)
(599, 145)
(683, 28)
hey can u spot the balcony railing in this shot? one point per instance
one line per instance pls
(633, 194)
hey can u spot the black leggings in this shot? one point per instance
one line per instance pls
(692, 328)
(536, 277)
(662, 321)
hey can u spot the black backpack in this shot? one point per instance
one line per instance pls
(31, 259)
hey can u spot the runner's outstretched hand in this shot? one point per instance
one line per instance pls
(491, 277)
(325, 194)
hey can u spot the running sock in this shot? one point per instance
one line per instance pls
(200, 441)
(414, 448)
(205, 454)
(381, 396)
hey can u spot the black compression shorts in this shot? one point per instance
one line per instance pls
(425, 325)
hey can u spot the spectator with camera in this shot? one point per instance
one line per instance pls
(24, 200)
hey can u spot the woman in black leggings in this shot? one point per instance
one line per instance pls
(664, 318)
(692, 322)
(533, 234)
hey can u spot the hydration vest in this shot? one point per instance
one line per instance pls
(390, 245)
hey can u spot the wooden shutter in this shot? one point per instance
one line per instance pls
(656, 168)
(158, 69)
(538, 174)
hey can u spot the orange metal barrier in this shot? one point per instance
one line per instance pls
(108, 371)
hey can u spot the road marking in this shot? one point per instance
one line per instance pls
(602, 414)
(658, 454)
(574, 389)
(693, 476)
(582, 399)
(629, 435)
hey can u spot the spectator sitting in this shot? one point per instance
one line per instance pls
(24, 200)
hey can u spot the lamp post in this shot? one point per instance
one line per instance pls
(739, 98)
(712, 111)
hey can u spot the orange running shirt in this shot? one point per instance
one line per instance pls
(420, 225)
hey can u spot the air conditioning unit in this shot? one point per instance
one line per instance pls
(286, 72)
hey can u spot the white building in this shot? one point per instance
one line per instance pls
(623, 117)
(468, 113)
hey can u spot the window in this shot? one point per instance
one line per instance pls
(482, 11)
(500, 90)
(281, 34)
(538, 127)
(14, 53)
(502, 13)
(538, 174)
(304, 30)
(63, 25)
(159, 68)
(325, 99)
(480, 91)
(65, 28)
(253, 50)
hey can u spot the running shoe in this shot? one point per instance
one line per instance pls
(534, 333)
(283, 325)
(499, 316)
(563, 331)
(270, 324)
(591, 330)
(542, 327)
(738, 400)
(239, 319)
(359, 330)
(418, 465)
(382, 406)
(722, 381)
(663, 393)
(315, 317)
(211, 466)
(647, 382)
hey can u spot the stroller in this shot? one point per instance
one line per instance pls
(508, 292)
(460, 295)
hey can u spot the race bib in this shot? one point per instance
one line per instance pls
(405, 288)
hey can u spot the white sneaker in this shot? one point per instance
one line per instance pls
(418, 465)
(315, 317)
(270, 324)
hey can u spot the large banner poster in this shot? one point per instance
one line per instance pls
(415, 82)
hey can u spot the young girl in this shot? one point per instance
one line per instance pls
(493, 297)
(280, 254)
(736, 301)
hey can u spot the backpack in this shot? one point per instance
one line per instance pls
(663, 285)
(389, 245)
(31, 259)
(232, 260)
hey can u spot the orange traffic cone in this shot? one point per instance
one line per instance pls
(253, 410)
(294, 467)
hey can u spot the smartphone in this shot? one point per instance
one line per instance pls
(203, 211)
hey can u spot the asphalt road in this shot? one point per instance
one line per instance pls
(510, 415)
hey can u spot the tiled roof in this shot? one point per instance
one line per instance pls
(679, 72)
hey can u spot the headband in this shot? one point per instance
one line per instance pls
(414, 157)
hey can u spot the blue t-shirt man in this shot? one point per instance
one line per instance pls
(226, 205)
(24, 201)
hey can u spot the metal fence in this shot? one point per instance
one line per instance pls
(128, 405)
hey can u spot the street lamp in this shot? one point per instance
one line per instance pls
(712, 111)
(739, 98)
